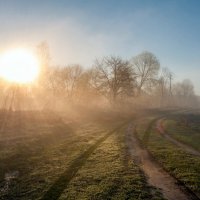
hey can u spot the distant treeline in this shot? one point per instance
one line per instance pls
(111, 80)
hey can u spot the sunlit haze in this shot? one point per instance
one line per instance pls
(80, 31)
(99, 99)
(19, 66)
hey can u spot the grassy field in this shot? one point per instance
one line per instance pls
(183, 166)
(185, 128)
(44, 156)
(110, 173)
(36, 148)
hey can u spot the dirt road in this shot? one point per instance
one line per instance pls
(187, 148)
(157, 177)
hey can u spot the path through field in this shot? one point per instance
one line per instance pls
(157, 177)
(187, 148)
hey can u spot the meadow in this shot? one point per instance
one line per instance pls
(46, 155)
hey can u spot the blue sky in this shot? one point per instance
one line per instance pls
(78, 31)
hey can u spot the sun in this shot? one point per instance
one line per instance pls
(19, 66)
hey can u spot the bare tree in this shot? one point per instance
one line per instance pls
(113, 77)
(184, 92)
(70, 77)
(146, 66)
(84, 89)
(165, 85)
(43, 53)
(168, 76)
(184, 89)
(46, 72)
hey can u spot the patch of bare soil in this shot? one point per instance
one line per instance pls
(187, 148)
(156, 176)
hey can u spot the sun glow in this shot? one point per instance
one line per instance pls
(19, 66)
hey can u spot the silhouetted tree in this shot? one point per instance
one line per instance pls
(184, 93)
(164, 85)
(113, 77)
(70, 77)
(146, 67)
(43, 53)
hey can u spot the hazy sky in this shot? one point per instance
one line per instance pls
(78, 31)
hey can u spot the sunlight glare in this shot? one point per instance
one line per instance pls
(19, 66)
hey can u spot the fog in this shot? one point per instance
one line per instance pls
(112, 82)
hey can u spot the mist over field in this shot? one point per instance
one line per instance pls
(99, 100)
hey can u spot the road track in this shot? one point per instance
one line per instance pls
(156, 175)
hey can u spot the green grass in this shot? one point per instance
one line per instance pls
(110, 173)
(40, 147)
(49, 159)
(187, 132)
(176, 161)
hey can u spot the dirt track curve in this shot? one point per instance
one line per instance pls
(157, 177)
(187, 148)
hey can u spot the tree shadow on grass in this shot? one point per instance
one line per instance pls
(55, 191)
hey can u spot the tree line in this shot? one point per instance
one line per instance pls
(139, 80)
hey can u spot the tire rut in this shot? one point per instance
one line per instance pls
(156, 175)
(185, 147)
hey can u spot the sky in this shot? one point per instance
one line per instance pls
(79, 31)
